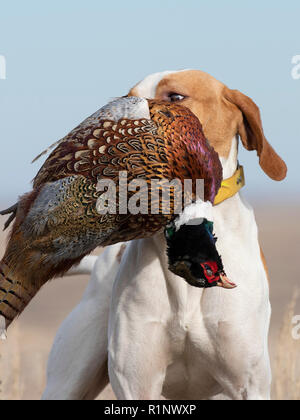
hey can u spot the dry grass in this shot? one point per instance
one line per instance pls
(286, 371)
(14, 383)
(10, 368)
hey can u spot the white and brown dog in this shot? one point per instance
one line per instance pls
(145, 329)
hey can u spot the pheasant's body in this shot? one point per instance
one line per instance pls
(59, 222)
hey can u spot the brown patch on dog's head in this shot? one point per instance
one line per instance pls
(222, 112)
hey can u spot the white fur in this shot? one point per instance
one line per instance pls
(147, 87)
(77, 367)
(230, 164)
(85, 267)
(163, 336)
(194, 214)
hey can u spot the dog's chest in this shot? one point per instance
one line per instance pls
(197, 313)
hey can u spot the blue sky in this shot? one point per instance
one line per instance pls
(65, 59)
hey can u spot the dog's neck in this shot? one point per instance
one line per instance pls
(236, 229)
(230, 163)
(231, 218)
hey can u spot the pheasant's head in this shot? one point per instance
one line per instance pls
(193, 254)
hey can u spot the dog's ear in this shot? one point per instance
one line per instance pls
(252, 135)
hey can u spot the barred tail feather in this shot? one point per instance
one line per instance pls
(14, 297)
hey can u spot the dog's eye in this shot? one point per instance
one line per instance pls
(175, 97)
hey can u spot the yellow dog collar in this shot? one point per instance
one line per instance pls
(231, 186)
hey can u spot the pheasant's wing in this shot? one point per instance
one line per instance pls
(66, 190)
(98, 151)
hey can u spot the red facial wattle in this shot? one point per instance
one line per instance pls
(211, 271)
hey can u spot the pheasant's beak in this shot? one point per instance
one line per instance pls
(225, 283)
(211, 276)
(214, 277)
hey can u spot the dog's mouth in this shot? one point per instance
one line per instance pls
(212, 276)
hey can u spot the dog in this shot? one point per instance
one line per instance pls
(144, 329)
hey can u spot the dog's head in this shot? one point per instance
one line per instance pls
(223, 113)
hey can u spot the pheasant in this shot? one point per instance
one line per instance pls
(62, 219)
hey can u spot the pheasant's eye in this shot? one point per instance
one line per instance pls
(208, 270)
(175, 97)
